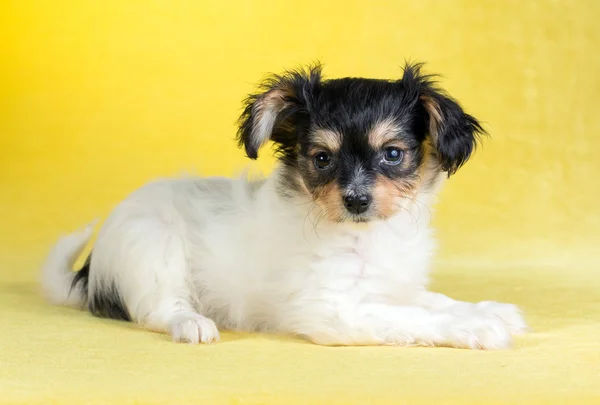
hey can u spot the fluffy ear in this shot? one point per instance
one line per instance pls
(274, 112)
(455, 134)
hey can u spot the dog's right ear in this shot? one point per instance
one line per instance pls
(275, 111)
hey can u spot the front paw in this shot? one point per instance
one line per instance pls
(476, 332)
(193, 328)
(509, 314)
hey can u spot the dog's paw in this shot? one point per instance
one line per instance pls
(476, 332)
(193, 328)
(510, 314)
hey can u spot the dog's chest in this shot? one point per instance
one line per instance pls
(372, 266)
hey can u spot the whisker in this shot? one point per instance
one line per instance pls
(316, 222)
(308, 212)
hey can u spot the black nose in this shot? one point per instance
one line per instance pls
(357, 204)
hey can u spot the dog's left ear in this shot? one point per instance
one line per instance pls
(454, 133)
(277, 110)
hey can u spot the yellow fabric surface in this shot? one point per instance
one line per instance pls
(99, 97)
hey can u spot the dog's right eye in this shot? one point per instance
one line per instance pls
(322, 160)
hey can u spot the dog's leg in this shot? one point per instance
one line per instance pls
(178, 318)
(507, 313)
(160, 294)
(380, 324)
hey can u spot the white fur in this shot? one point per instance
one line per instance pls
(261, 132)
(184, 253)
(56, 271)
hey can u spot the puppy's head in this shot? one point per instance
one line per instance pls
(359, 147)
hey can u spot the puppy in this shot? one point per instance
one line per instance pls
(334, 246)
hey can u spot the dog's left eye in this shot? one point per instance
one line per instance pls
(392, 155)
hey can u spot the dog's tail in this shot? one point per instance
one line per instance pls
(60, 284)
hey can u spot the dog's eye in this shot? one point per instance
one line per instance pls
(322, 160)
(392, 155)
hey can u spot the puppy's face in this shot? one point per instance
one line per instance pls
(358, 147)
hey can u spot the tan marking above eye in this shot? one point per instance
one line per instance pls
(385, 133)
(328, 140)
(395, 144)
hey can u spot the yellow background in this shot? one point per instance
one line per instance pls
(98, 97)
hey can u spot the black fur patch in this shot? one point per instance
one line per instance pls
(106, 302)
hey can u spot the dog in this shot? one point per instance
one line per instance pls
(334, 246)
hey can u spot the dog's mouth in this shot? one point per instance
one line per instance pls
(361, 219)
(358, 218)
